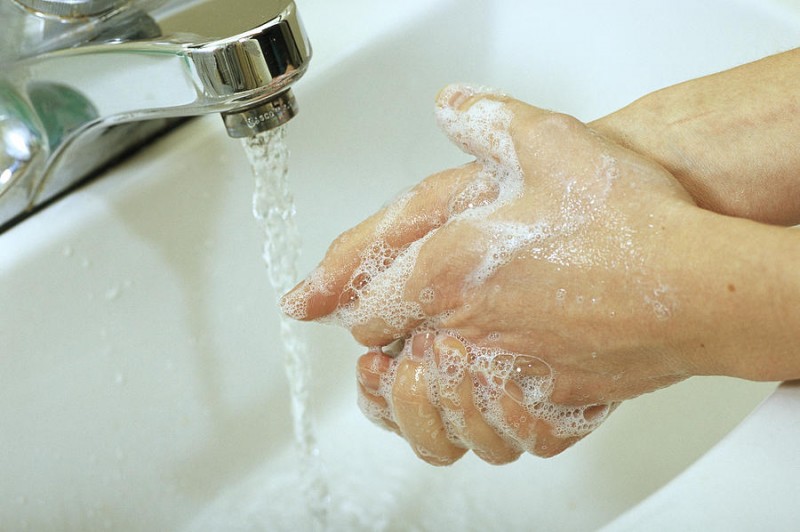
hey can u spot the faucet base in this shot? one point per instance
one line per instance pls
(92, 155)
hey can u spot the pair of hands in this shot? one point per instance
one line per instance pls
(511, 303)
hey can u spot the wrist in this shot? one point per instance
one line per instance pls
(656, 126)
(737, 294)
(727, 138)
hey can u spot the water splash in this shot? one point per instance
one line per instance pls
(273, 207)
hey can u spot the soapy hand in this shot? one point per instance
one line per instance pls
(532, 288)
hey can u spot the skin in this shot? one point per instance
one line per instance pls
(664, 257)
(726, 137)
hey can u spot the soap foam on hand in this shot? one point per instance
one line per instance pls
(378, 284)
(494, 374)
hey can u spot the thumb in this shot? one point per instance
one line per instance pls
(480, 121)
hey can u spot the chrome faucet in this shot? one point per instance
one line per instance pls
(82, 81)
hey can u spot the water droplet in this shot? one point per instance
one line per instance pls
(661, 310)
(119, 379)
(112, 293)
(67, 251)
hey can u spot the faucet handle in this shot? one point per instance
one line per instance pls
(22, 147)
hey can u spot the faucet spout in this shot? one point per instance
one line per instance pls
(181, 73)
(238, 58)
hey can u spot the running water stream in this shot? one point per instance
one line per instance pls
(273, 207)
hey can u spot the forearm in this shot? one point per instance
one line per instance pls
(739, 314)
(730, 138)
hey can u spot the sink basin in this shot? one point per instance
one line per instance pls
(141, 373)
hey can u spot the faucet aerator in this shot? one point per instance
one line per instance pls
(263, 116)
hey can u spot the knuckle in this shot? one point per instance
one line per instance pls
(439, 461)
(549, 451)
(409, 387)
(553, 130)
(560, 123)
(552, 446)
(342, 242)
(495, 457)
(374, 332)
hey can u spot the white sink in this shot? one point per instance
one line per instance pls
(141, 380)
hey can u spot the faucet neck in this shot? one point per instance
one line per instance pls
(120, 69)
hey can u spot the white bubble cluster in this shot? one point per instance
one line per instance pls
(376, 289)
(503, 240)
(510, 391)
(375, 412)
(318, 282)
(483, 131)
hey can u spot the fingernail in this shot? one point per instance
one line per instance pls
(455, 95)
(370, 368)
(458, 96)
(295, 302)
(420, 344)
(446, 341)
(369, 380)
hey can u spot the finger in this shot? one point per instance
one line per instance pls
(376, 409)
(455, 380)
(561, 427)
(447, 266)
(510, 135)
(373, 373)
(480, 121)
(427, 281)
(517, 393)
(535, 435)
(556, 427)
(511, 386)
(374, 244)
(418, 419)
